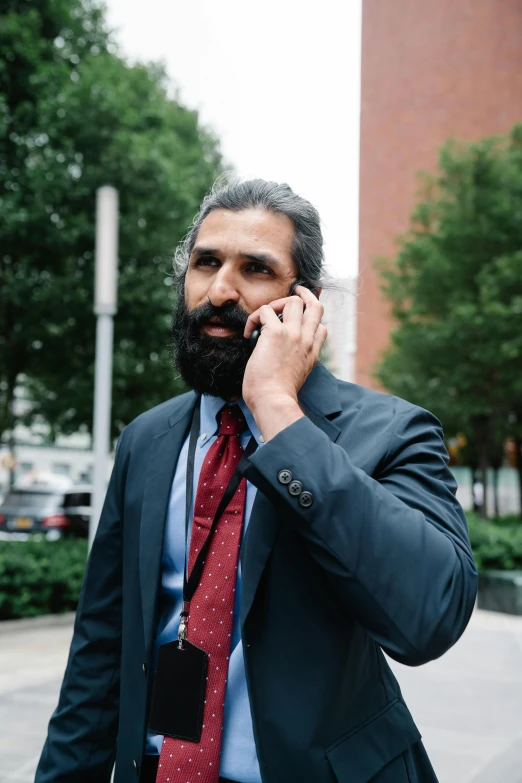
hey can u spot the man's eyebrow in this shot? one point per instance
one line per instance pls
(262, 258)
(204, 251)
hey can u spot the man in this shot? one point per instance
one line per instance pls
(341, 539)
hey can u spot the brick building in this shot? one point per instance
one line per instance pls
(430, 71)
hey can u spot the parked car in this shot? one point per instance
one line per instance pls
(77, 509)
(51, 507)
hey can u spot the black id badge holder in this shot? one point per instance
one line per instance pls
(178, 696)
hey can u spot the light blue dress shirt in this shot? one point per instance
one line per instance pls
(238, 750)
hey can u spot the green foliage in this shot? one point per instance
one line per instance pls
(456, 287)
(456, 294)
(40, 577)
(496, 544)
(78, 116)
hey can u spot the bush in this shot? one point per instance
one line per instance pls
(40, 577)
(496, 543)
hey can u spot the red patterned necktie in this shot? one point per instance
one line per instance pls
(212, 606)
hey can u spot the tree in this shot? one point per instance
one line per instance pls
(78, 116)
(456, 294)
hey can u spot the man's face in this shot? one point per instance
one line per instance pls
(240, 261)
(243, 258)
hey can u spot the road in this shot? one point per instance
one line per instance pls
(467, 705)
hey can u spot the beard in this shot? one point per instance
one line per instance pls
(210, 365)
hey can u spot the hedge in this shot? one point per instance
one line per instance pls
(43, 577)
(40, 577)
(496, 543)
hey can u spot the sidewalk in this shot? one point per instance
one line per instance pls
(467, 705)
(33, 654)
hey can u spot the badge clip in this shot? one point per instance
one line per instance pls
(183, 625)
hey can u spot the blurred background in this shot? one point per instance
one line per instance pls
(402, 123)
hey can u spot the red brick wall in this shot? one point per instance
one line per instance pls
(431, 69)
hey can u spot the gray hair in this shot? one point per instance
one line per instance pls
(236, 195)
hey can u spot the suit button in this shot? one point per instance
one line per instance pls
(284, 477)
(295, 488)
(135, 765)
(306, 499)
(144, 667)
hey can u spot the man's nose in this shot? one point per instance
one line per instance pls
(223, 290)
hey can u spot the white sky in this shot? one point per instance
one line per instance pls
(278, 81)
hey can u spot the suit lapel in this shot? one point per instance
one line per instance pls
(318, 398)
(162, 460)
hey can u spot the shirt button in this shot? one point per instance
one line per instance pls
(306, 499)
(261, 439)
(284, 476)
(295, 488)
(203, 435)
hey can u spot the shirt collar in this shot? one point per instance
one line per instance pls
(210, 407)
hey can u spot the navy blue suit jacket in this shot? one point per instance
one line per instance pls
(380, 561)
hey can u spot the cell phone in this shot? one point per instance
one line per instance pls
(254, 337)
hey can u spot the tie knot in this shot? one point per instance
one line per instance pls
(231, 420)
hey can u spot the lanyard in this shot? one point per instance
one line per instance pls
(191, 582)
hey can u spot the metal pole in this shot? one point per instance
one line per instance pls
(105, 309)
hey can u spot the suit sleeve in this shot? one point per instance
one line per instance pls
(395, 548)
(81, 741)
